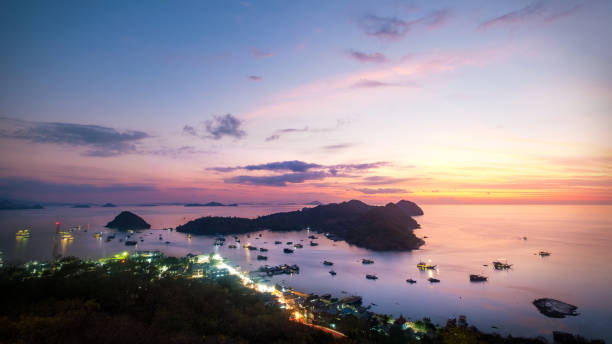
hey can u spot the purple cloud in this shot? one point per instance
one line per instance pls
(382, 191)
(293, 165)
(218, 127)
(255, 77)
(368, 57)
(277, 180)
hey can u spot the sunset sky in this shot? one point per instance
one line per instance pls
(295, 101)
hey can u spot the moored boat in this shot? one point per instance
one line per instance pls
(433, 280)
(332, 272)
(288, 250)
(328, 263)
(372, 277)
(366, 261)
(260, 257)
(478, 278)
(23, 233)
(544, 254)
(501, 266)
(411, 281)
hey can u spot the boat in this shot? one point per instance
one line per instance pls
(23, 233)
(298, 246)
(130, 243)
(433, 280)
(544, 254)
(260, 257)
(328, 263)
(478, 278)
(263, 250)
(64, 235)
(167, 242)
(232, 246)
(97, 235)
(188, 236)
(288, 250)
(411, 281)
(372, 277)
(312, 237)
(366, 261)
(501, 266)
(425, 266)
(278, 242)
(252, 248)
(289, 242)
(312, 243)
(332, 272)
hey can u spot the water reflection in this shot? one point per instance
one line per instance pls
(461, 240)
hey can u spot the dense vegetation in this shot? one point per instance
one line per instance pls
(382, 228)
(128, 303)
(128, 220)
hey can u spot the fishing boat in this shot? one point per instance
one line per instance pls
(23, 233)
(478, 278)
(288, 250)
(501, 266)
(298, 246)
(260, 257)
(312, 243)
(328, 263)
(425, 266)
(289, 242)
(332, 272)
(278, 242)
(263, 250)
(433, 280)
(366, 261)
(252, 248)
(411, 281)
(64, 235)
(372, 277)
(544, 254)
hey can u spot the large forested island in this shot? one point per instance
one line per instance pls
(382, 228)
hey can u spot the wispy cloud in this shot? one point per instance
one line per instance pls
(363, 57)
(260, 53)
(365, 83)
(101, 141)
(255, 77)
(536, 11)
(369, 191)
(217, 128)
(16, 187)
(383, 180)
(393, 28)
(339, 146)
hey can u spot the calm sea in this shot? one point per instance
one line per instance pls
(461, 239)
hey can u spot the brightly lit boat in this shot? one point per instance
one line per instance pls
(64, 235)
(23, 233)
(425, 266)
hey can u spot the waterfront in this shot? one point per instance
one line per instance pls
(577, 272)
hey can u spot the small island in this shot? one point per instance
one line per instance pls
(379, 228)
(128, 220)
(210, 204)
(108, 205)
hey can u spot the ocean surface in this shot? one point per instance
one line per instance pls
(461, 239)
